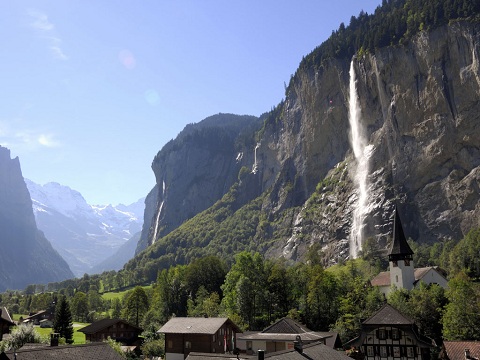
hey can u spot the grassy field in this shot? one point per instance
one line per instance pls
(119, 294)
(78, 337)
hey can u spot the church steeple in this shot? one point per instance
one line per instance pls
(402, 272)
(400, 249)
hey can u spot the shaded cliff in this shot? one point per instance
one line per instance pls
(195, 170)
(26, 256)
(420, 110)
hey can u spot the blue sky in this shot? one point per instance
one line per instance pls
(91, 90)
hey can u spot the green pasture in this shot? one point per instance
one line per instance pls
(78, 337)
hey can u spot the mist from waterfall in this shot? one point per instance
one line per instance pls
(362, 152)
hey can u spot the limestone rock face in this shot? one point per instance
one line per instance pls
(194, 171)
(420, 108)
(26, 256)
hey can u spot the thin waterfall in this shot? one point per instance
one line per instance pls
(255, 164)
(154, 238)
(362, 152)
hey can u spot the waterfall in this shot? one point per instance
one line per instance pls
(255, 165)
(362, 152)
(154, 238)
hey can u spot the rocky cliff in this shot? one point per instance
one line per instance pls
(419, 109)
(26, 255)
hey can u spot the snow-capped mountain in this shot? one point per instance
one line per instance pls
(85, 235)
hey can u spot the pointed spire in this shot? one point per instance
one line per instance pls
(400, 247)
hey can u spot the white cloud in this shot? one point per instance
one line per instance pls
(40, 21)
(16, 134)
(47, 140)
(46, 30)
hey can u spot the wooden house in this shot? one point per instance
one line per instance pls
(388, 334)
(5, 322)
(116, 329)
(206, 335)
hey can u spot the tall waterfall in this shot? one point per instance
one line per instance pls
(157, 220)
(255, 164)
(362, 152)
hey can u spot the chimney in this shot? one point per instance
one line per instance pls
(297, 344)
(54, 339)
(261, 354)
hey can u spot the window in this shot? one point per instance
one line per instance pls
(410, 352)
(395, 263)
(395, 334)
(370, 351)
(407, 262)
(213, 338)
(396, 278)
(383, 351)
(396, 351)
(170, 344)
(382, 334)
(188, 345)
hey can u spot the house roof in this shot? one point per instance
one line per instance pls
(286, 329)
(36, 315)
(195, 325)
(455, 350)
(5, 316)
(383, 278)
(399, 245)
(104, 324)
(316, 351)
(92, 351)
(388, 315)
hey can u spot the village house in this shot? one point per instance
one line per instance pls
(37, 317)
(281, 336)
(5, 322)
(388, 334)
(206, 335)
(402, 274)
(117, 329)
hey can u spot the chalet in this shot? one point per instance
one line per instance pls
(116, 329)
(281, 336)
(316, 350)
(70, 352)
(207, 335)
(460, 350)
(37, 317)
(402, 274)
(5, 322)
(388, 334)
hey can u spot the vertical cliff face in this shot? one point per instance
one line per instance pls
(195, 170)
(26, 256)
(419, 104)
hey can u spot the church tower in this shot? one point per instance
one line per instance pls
(402, 272)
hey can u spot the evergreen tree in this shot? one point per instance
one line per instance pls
(63, 320)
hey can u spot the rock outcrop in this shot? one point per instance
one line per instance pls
(27, 257)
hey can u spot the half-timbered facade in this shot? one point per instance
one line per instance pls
(390, 335)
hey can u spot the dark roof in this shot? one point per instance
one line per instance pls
(195, 325)
(286, 329)
(93, 351)
(316, 351)
(104, 324)
(5, 316)
(388, 315)
(399, 245)
(286, 326)
(455, 350)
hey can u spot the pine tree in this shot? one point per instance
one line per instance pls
(63, 320)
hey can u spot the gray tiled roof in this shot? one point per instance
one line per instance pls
(317, 351)
(93, 351)
(195, 325)
(388, 315)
